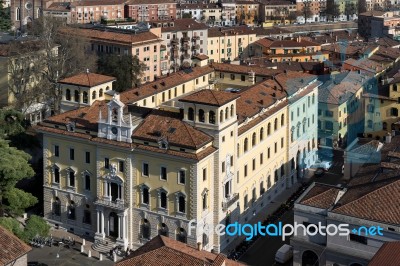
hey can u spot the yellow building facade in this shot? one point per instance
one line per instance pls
(124, 171)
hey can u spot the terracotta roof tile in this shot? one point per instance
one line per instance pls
(377, 201)
(149, 2)
(243, 69)
(164, 251)
(110, 35)
(97, 2)
(210, 97)
(161, 124)
(182, 25)
(162, 84)
(387, 255)
(320, 196)
(87, 79)
(11, 247)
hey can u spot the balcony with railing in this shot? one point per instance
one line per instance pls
(174, 40)
(195, 38)
(229, 44)
(118, 204)
(185, 39)
(229, 201)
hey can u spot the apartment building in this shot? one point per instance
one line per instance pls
(364, 202)
(184, 39)
(146, 45)
(311, 11)
(119, 169)
(247, 12)
(230, 44)
(228, 13)
(277, 9)
(19, 75)
(341, 108)
(191, 10)
(298, 50)
(150, 10)
(375, 24)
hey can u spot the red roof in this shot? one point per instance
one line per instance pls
(87, 79)
(387, 255)
(11, 247)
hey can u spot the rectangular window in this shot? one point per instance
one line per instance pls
(106, 163)
(245, 170)
(204, 174)
(243, 78)
(182, 177)
(269, 153)
(261, 158)
(87, 182)
(328, 113)
(87, 217)
(319, 112)
(282, 142)
(145, 169)
(246, 202)
(254, 164)
(328, 125)
(232, 76)
(71, 179)
(87, 157)
(163, 173)
(56, 175)
(223, 167)
(56, 151)
(121, 166)
(276, 147)
(71, 154)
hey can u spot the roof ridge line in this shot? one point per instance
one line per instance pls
(320, 193)
(191, 138)
(358, 199)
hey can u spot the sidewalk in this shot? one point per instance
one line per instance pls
(267, 210)
(62, 233)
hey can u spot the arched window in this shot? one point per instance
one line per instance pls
(201, 116)
(71, 210)
(146, 229)
(204, 200)
(246, 145)
(181, 204)
(101, 93)
(57, 206)
(211, 117)
(17, 14)
(269, 182)
(261, 134)
(384, 125)
(269, 129)
(276, 124)
(85, 97)
(253, 139)
(232, 110)
(205, 240)
(191, 114)
(76, 96)
(107, 88)
(221, 116)
(226, 112)
(282, 120)
(93, 95)
(181, 235)
(163, 230)
(68, 95)
(87, 182)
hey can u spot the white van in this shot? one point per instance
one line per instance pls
(284, 254)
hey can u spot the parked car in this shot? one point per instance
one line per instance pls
(284, 254)
(326, 165)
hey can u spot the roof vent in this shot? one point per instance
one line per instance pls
(273, 94)
(163, 83)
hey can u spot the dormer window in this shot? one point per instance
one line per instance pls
(163, 144)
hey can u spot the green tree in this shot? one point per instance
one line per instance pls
(12, 123)
(5, 18)
(14, 167)
(35, 225)
(12, 225)
(126, 69)
(18, 200)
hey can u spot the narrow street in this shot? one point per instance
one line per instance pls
(263, 251)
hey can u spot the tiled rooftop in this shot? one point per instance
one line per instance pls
(11, 247)
(387, 255)
(210, 97)
(164, 251)
(320, 196)
(87, 79)
(182, 25)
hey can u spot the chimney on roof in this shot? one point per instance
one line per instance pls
(388, 138)
(199, 246)
(87, 70)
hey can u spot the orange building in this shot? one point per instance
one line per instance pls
(247, 12)
(297, 50)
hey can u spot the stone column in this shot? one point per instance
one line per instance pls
(102, 224)
(98, 222)
(119, 227)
